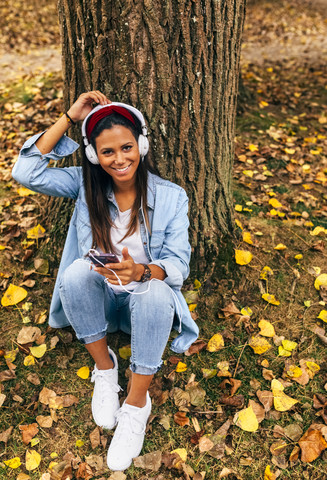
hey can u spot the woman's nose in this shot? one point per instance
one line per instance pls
(119, 158)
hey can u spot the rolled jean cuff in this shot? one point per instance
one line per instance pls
(93, 338)
(144, 370)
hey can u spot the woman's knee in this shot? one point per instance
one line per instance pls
(79, 273)
(155, 292)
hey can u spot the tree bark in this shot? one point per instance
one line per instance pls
(178, 62)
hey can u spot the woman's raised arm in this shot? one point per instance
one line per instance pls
(77, 112)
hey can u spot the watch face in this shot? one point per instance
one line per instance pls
(147, 274)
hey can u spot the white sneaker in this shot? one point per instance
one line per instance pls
(105, 400)
(128, 439)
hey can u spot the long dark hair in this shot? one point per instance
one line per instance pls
(98, 182)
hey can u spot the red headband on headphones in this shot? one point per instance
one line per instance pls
(105, 112)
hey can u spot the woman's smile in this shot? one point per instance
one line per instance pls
(118, 155)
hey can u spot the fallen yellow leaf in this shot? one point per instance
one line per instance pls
(238, 223)
(238, 208)
(24, 192)
(275, 203)
(294, 371)
(13, 462)
(246, 420)
(270, 299)
(289, 345)
(79, 443)
(32, 460)
(182, 452)
(13, 295)
(181, 367)
(282, 352)
(243, 257)
(36, 232)
(282, 402)
(259, 345)
(321, 281)
(247, 238)
(192, 306)
(215, 343)
(246, 311)
(266, 328)
(318, 230)
(83, 372)
(29, 360)
(280, 246)
(125, 352)
(269, 475)
(323, 315)
(208, 373)
(265, 272)
(39, 351)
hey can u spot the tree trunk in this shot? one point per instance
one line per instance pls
(178, 62)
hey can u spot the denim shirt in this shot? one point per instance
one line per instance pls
(167, 244)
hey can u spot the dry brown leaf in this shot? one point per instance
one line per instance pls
(293, 431)
(149, 461)
(231, 310)
(235, 385)
(312, 443)
(267, 374)
(118, 476)
(205, 444)
(181, 419)
(278, 448)
(197, 395)
(84, 472)
(295, 454)
(4, 436)
(33, 378)
(196, 347)
(28, 432)
(28, 335)
(95, 462)
(44, 421)
(95, 437)
(196, 436)
(266, 398)
(236, 401)
(181, 398)
(259, 411)
(46, 395)
(7, 375)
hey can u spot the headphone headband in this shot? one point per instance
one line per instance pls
(143, 142)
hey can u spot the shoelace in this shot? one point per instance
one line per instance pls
(127, 424)
(106, 381)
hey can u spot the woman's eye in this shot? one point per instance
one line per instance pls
(127, 148)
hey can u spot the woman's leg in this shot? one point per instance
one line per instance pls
(152, 317)
(151, 321)
(88, 303)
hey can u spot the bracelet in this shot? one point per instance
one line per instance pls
(69, 120)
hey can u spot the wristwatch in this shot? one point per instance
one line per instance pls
(146, 274)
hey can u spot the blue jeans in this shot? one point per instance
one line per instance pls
(93, 309)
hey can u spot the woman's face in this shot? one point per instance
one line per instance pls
(118, 154)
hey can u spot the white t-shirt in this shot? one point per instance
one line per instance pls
(133, 243)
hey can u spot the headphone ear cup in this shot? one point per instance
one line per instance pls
(143, 144)
(91, 154)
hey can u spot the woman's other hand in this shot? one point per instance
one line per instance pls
(83, 105)
(127, 270)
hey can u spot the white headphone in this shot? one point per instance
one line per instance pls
(143, 142)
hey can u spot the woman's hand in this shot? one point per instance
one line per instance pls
(83, 105)
(127, 270)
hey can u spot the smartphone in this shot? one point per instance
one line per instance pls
(104, 258)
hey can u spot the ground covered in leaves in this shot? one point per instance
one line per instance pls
(249, 399)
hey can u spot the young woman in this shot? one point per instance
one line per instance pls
(124, 209)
